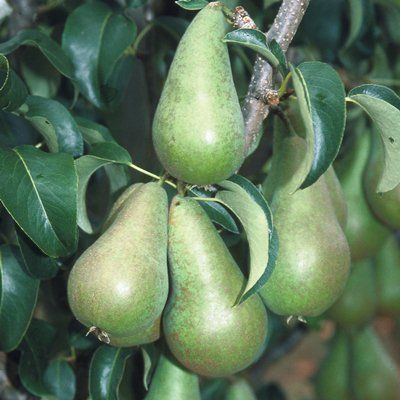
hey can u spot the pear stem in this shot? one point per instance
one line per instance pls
(148, 173)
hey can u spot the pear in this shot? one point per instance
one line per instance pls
(386, 206)
(388, 278)
(173, 382)
(198, 128)
(364, 232)
(205, 328)
(374, 373)
(357, 305)
(119, 285)
(337, 196)
(313, 260)
(240, 390)
(332, 381)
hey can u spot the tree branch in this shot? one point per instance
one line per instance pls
(254, 108)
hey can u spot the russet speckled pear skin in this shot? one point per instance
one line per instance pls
(374, 373)
(142, 336)
(332, 381)
(388, 278)
(357, 305)
(386, 206)
(173, 382)
(314, 259)
(120, 283)
(204, 329)
(198, 128)
(364, 232)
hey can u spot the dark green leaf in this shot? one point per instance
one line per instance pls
(46, 45)
(15, 130)
(102, 154)
(56, 125)
(192, 4)
(379, 92)
(93, 132)
(216, 211)
(250, 206)
(381, 105)
(255, 40)
(136, 3)
(106, 370)
(175, 26)
(150, 355)
(35, 349)
(18, 294)
(39, 190)
(321, 98)
(13, 91)
(280, 55)
(35, 263)
(78, 338)
(60, 380)
(360, 18)
(94, 38)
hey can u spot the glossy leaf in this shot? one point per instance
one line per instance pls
(102, 154)
(106, 370)
(381, 105)
(15, 130)
(60, 380)
(95, 38)
(93, 132)
(250, 206)
(50, 49)
(216, 211)
(253, 39)
(35, 263)
(321, 98)
(280, 55)
(13, 91)
(35, 349)
(56, 125)
(39, 190)
(192, 4)
(18, 295)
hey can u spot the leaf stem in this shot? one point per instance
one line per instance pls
(148, 173)
(134, 48)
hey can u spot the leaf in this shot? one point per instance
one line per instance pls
(93, 132)
(35, 349)
(102, 154)
(35, 263)
(136, 3)
(280, 55)
(322, 105)
(216, 212)
(39, 190)
(78, 339)
(13, 91)
(106, 370)
(150, 355)
(192, 4)
(360, 17)
(15, 130)
(386, 117)
(50, 49)
(95, 38)
(55, 124)
(247, 202)
(18, 295)
(253, 39)
(175, 26)
(379, 92)
(60, 380)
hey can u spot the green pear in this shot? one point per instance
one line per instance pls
(337, 196)
(364, 232)
(388, 278)
(374, 373)
(357, 305)
(204, 327)
(198, 128)
(119, 285)
(240, 390)
(332, 381)
(173, 382)
(386, 206)
(313, 260)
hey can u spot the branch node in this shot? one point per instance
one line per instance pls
(241, 19)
